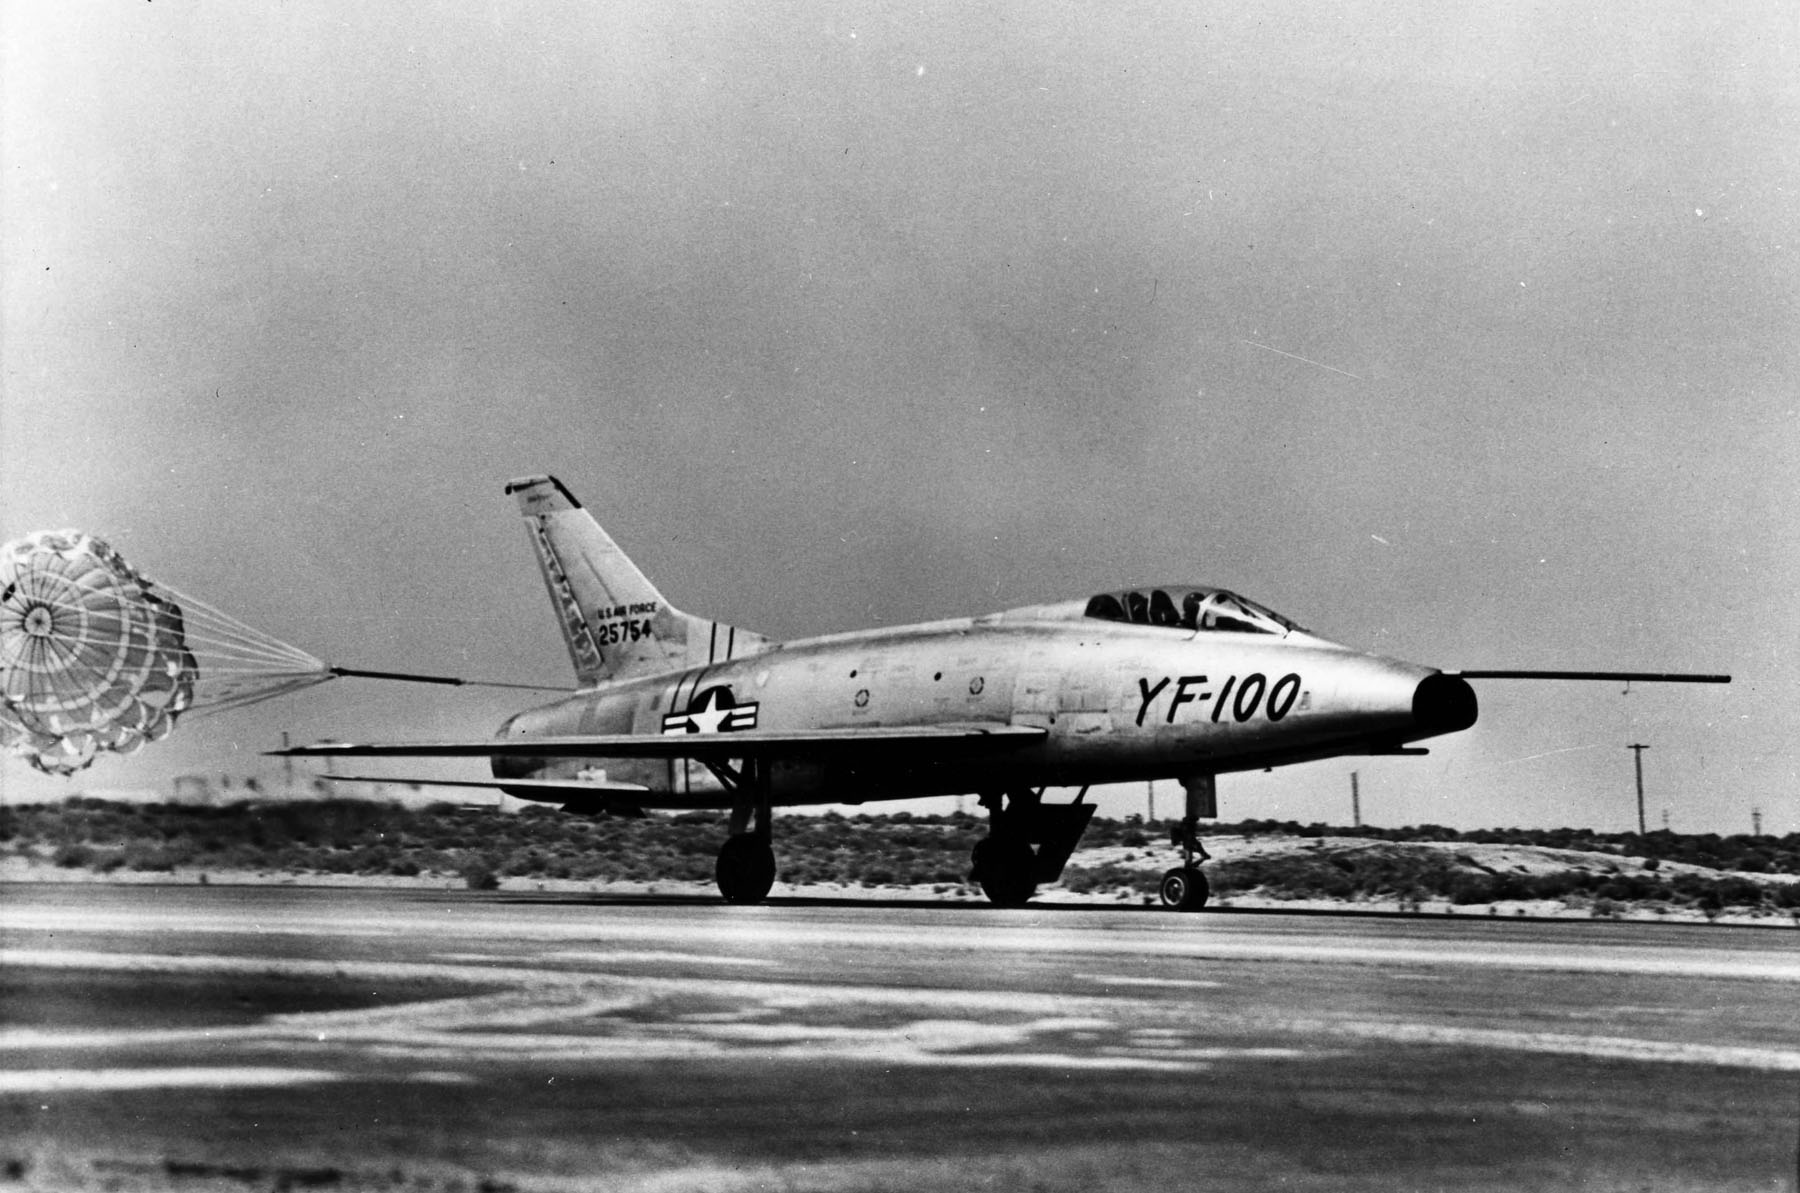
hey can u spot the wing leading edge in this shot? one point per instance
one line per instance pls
(965, 737)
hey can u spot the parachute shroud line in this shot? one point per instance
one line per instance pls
(95, 657)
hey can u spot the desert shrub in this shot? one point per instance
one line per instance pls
(1472, 888)
(152, 858)
(72, 856)
(478, 874)
(1112, 876)
(1550, 886)
(1286, 877)
(1739, 892)
(523, 863)
(351, 836)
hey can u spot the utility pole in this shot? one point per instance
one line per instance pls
(1638, 752)
(1150, 790)
(1355, 802)
(1756, 822)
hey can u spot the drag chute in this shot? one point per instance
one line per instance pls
(95, 657)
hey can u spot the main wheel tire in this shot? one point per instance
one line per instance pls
(745, 870)
(1184, 889)
(1005, 867)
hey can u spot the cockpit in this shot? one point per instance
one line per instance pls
(1190, 608)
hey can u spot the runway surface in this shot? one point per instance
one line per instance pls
(223, 1038)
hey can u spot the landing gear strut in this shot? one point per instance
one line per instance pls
(1185, 888)
(1005, 865)
(746, 867)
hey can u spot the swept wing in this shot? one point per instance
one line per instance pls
(961, 737)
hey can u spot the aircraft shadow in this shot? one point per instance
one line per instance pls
(848, 902)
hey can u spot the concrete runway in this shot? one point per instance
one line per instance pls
(280, 1037)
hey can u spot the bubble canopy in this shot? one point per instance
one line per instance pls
(1190, 607)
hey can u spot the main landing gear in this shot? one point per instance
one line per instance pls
(746, 867)
(1005, 864)
(1185, 888)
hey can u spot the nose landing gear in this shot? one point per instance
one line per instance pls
(1185, 888)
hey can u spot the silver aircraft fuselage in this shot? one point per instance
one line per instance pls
(1117, 702)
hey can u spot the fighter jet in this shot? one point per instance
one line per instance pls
(1167, 681)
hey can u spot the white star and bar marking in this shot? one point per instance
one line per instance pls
(713, 715)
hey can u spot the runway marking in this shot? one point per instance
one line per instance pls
(1214, 1054)
(1073, 1024)
(464, 1028)
(926, 1034)
(601, 958)
(484, 975)
(801, 940)
(440, 1077)
(608, 1016)
(1106, 979)
(1768, 1060)
(62, 1081)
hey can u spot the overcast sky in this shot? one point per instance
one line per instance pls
(1463, 333)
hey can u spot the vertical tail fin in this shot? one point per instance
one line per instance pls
(615, 622)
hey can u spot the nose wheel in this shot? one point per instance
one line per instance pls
(1185, 888)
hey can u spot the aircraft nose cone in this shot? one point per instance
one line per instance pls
(1444, 704)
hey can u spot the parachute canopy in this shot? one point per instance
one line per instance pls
(95, 657)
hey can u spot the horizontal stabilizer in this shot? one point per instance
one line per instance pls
(966, 737)
(546, 789)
